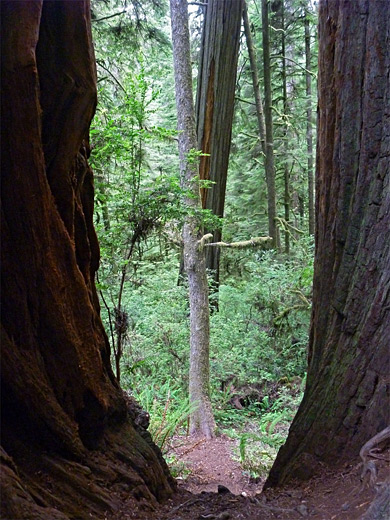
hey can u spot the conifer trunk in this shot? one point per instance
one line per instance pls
(215, 107)
(309, 126)
(255, 78)
(347, 393)
(202, 419)
(286, 172)
(269, 145)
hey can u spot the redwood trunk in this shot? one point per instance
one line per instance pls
(59, 396)
(347, 394)
(215, 107)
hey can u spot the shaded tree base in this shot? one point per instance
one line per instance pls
(37, 484)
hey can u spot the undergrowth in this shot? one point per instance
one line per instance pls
(257, 354)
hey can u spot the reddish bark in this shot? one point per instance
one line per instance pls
(347, 394)
(59, 394)
(215, 107)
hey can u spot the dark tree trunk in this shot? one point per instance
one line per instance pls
(347, 394)
(59, 396)
(269, 145)
(255, 77)
(215, 106)
(286, 171)
(309, 126)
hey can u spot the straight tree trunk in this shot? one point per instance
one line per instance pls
(269, 145)
(255, 78)
(286, 172)
(347, 392)
(202, 419)
(66, 433)
(215, 107)
(309, 126)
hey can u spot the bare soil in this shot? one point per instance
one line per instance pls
(217, 489)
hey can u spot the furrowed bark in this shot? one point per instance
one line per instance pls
(64, 420)
(347, 392)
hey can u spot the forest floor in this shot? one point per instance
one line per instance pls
(217, 489)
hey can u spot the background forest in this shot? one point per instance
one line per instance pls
(261, 305)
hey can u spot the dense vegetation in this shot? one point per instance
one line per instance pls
(259, 334)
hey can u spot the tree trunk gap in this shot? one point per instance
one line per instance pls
(70, 444)
(66, 432)
(201, 419)
(347, 392)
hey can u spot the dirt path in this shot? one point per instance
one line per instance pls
(211, 464)
(333, 495)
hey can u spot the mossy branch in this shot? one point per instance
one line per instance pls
(287, 227)
(262, 242)
(302, 297)
(286, 312)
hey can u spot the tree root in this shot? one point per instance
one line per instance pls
(368, 450)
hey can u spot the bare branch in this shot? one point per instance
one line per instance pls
(108, 17)
(278, 56)
(112, 75)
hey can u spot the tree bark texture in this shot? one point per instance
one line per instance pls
(286, 170)
(346, 400)
(255, 77)
(59, 396)
(309, 127)
(215, 106)
(269, 145)
(202, 419)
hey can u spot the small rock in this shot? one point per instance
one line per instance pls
(345, 506)
(222, 490)
(302, 510)
(223, 516)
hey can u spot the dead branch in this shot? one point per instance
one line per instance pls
(302, 297)
(287, 310)
(263, 242)
(190, 501)
(94, 20)
(287, 227)
(191, 448)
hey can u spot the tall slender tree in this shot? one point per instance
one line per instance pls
(202, 419)
(215, 107)
(286, 170)
(309, 124)
(255, 77)
(347, 391)
(269, 145)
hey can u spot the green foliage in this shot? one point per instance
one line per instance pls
(167, 409)
(264, 435)
(246, 205)
(259, 335)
